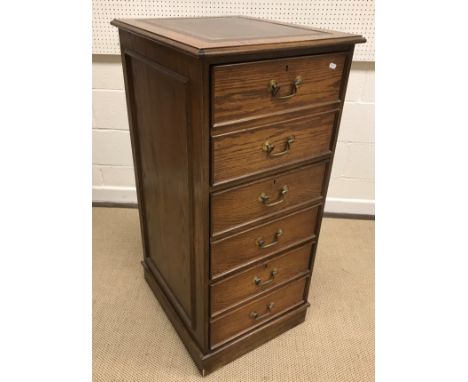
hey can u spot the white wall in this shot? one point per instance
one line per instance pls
(352, 184)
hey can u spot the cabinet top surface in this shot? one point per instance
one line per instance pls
(201, 35)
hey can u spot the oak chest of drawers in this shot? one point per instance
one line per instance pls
(233, 123)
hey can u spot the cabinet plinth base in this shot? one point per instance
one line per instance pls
(207, 363)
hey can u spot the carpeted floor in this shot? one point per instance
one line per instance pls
(134, 341)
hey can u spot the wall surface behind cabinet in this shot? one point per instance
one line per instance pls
(351, 16)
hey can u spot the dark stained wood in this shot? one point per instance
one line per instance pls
(253, 339)
(213, 360)
(209, 36)
(244, 286)
(161, 96)
(199, 175)
(186, 290)
(242, 90)
(240, 320)
(241, 154)
(254, 122)
(240, 206)
(296, 227)
(180, 326)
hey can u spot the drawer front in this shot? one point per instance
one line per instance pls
(245, 90)
(262, 199)
(257, 312)
(235, 251)
(241, 154)
(258, 279)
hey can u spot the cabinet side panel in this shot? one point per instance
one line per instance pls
(188, 301)
(159, 99)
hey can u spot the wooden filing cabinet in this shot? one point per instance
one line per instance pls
(233, 122)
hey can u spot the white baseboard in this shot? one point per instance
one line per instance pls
(109, 194)
(350, 206)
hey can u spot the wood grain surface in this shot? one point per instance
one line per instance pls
(240, 320)
(239, 206)
(221, 35)
(171, 160)
(161, 96)
(242, 286)
(241, 154)
(296, 227)
(242, 90)
(218, 211)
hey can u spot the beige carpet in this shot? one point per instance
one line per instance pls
(134, 341)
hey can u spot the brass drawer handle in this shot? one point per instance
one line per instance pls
(257, 316)
(264, 197)
(261, 243)
(258, 281)
(268, 147)
(275, 88)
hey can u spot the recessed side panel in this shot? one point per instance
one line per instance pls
(159, 98)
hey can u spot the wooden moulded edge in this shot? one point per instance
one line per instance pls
(335, 40)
